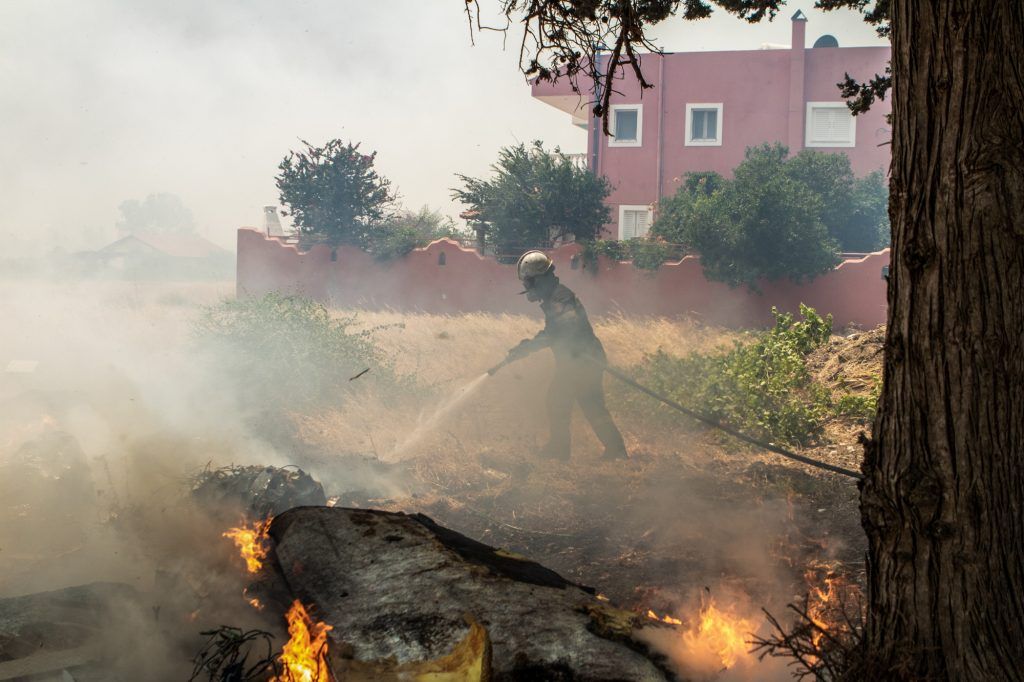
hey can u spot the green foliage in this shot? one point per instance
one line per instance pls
(405, 231)
(645, 254)
(860, 407)
(867, 228)
(703, 182)
(762, 387)
(284, 352)
(534, 197)
(855, 210)
(778, 217)
(156, 213)
(333, 193)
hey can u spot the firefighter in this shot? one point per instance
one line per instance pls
(579, 359)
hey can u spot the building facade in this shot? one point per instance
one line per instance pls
(707, 108)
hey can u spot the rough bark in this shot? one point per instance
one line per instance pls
(943, 495)
(399, 589)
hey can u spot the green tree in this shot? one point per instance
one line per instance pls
(768, 241)
(161, 212)
(333, 193)
(854, 209)
(867, 228)
(407, 230)
(761, 225)
(534, 197)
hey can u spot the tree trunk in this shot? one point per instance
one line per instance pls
(943, 496)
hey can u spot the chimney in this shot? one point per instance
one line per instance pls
(797, 105)
(271, 223)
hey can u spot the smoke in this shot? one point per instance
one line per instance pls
(108, 409)
(118, 99)
(105, 414)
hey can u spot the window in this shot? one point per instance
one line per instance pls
(830, 124)
(634, 221)
(627, 125)
(704, 125)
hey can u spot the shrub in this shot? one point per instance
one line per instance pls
(645, 254)
(402, 233)
(858, 406)
(762, 387)
(286, 352)
(778, 217)
(533, 198)
(333, 193)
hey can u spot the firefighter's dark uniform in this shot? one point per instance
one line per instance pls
(579, 370)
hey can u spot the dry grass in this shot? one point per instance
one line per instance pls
(445, 352)
(443, 349)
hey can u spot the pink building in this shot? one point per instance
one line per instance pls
(706, 108)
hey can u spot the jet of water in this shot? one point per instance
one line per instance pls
(442, 412)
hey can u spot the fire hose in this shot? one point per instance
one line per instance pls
(711, 421)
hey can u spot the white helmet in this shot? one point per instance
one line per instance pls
(533, 264)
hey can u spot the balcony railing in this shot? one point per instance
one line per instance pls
(578, 160)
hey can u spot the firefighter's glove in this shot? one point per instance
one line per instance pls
(519, 352)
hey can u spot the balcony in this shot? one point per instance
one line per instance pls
(579, 160)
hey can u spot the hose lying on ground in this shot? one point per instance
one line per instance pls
(626, 379)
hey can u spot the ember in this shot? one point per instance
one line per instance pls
(251, 543)
(304, 657)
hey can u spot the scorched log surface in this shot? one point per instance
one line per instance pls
(400, 586)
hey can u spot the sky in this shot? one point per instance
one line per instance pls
(102, 101)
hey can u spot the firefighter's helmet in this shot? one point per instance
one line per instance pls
(533, 264)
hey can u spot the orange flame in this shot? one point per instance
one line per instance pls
(251, 543)
(824, 606)
(304, 657)
(721, 634)
(253, 601)
(664, 619)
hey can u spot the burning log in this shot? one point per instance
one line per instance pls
(397, 589)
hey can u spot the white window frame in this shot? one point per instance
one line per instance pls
(809, 119)
(690, 142)
(635, 207)
(639, 108)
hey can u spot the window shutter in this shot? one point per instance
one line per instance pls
(628, 224)
(642, 220)
(635, 223)
(830, 124)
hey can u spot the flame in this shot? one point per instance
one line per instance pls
(251, 543)
(253, 601)
(722, 634)
(817, 607)
(304, 657)
(824, 604)
(664, 619)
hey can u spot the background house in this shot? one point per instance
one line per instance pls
(706, 108)
(159, 256)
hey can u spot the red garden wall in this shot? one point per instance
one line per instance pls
(446, 278)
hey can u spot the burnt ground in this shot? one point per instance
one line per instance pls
(652, 532)
(690, 509)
